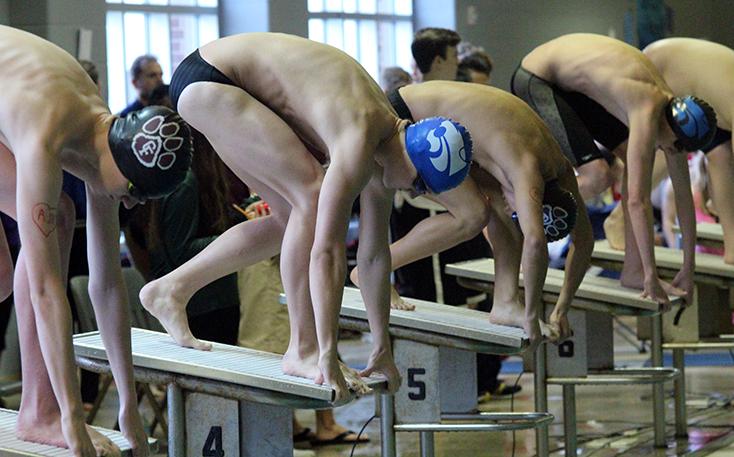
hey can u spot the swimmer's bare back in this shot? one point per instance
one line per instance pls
(40, 94)
(320, 91)
(611, 72)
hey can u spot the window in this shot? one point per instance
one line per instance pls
(168, 29)
(377, 33)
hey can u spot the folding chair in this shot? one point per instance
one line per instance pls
(139, 318)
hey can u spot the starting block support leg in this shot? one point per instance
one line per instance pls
(569, 420)
(658, 389)
(427, 447)
(541, 402)
(387, 425)
(176, 421)
(681, 416)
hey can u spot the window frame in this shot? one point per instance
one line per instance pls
(377, 17)
(146, 9)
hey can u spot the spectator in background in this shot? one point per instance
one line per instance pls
(394, 78)
(435, 55)
(91, 70)
(146, 75)
(475, 68)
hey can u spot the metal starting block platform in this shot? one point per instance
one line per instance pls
(707, 234)
(230, 399)
(435, 349)
(587, 358)
(705, 324)
(11, 446)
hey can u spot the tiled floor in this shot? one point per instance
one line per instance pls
(612, 420)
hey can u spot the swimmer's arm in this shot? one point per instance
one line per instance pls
(108, 293)
(373, 258)
(465, 218)
(681, 180)
(529, 206)
(344, 179)
(582, 244)
(6, 267)
(640, 157)
(39, 187)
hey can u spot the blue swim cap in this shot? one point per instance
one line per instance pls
(693, 122)
(441, 151)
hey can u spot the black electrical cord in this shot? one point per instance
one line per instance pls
(356, 442)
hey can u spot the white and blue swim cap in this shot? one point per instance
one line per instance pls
(441, 151)
(693, 122)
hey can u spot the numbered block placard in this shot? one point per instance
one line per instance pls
(435, 380)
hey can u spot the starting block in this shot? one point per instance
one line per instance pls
(435, 348)
(705, 324)
(10, 445)
(224, 402)
(587, 358)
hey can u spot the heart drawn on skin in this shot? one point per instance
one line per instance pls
(44, 216)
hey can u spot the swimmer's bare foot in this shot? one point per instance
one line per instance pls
(305, 366)
(513, 315)
(48, 431)
(632, 279)
(397, 302)
(163, 299)
(354, 380)
(331, 374)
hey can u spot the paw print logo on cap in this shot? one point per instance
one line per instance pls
(157, 143)
(554, 221)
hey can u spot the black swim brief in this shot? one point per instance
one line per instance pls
(399, 105)
(721, 137)
(574, 119)
(194, 69)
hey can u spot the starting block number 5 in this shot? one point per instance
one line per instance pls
(413, 383)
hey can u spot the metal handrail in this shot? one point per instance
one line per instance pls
(620, 376)
(505, 422)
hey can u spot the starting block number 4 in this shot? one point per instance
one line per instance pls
(213, 443)
(222, 427)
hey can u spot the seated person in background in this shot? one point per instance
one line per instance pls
(517, 164)
(126, 160)
(259, 100)
(705, 210)
(166, 233)
(591, 87)
(705, 69)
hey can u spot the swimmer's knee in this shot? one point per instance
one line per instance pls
(472, 222)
